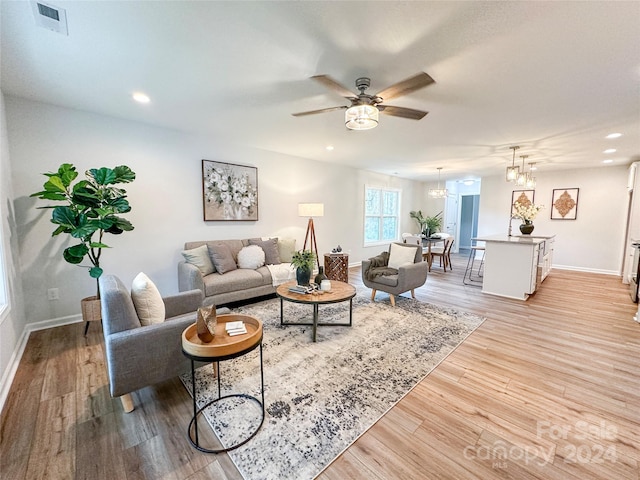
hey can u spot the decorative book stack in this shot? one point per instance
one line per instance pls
(235, 328)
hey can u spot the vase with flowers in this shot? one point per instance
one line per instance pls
(526, 213)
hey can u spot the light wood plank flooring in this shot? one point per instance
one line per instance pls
(548, 388)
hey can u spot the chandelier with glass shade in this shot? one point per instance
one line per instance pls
(438, 192)
(513, 171)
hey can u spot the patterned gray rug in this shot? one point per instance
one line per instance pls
(320, 397)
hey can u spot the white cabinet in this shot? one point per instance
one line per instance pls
(515, 266)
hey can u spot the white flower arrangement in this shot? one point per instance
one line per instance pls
(234, 193)
(526, 212)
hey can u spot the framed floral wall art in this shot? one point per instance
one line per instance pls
(564, 204)
(523, 197)
(229, 191)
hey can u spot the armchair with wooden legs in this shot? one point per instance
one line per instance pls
(387, 275)
(137, 355)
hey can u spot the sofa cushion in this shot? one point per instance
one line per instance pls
(251, 256)
(286, 248)
(222, 257)
(147, 300)
(270, 247)
(199, 257)
(232, 281)
(401, 255)
(389, 280)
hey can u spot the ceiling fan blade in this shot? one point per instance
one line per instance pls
(402, 112)
(331, 84)
(322, 110)
(406, 86)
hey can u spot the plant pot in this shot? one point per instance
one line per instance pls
(526, 228)
(303, 276)
(91, 309)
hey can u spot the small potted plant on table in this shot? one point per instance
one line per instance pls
(303, 260)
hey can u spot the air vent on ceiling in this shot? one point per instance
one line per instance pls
(50, 17)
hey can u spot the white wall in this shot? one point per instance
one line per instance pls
(592, 242)
(12, 319)
(166, 199)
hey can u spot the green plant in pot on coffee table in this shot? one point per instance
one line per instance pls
(303, 260)
(91, 208)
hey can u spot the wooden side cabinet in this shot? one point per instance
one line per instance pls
(336, 266)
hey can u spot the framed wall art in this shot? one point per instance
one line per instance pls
(229, 191)
(564, 204)
(524, 197)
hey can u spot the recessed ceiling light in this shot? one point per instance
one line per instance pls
(469, 182)
(614, 135)
(329, 147)
(610, 150)
(608, 160)
(141, 97)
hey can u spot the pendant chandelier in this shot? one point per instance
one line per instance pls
(513, 170)
(531, 180)
(438, 192)
(521, 181)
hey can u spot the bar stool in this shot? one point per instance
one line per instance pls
(468, 279)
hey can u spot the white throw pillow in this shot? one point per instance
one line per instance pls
(251, 257)
(147, 300)
(199, 257)
(399, 255)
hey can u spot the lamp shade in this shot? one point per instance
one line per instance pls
(361, 117)
(311, 209)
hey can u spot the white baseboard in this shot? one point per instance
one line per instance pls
(16, 356)
(588, 270)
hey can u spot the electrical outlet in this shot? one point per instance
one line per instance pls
(53, 294)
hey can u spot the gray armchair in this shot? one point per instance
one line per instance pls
(377, 275)
(138, 356)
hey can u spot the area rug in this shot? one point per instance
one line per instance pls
(322, 396)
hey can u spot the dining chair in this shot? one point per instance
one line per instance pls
(444, 253)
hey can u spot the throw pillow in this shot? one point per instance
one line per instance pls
(251, 257)
(270, 247)
(222, 257)
(147, 300)
(401, 255)
(286, 248)
(199, 257)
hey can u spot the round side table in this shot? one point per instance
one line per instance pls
(222, 347)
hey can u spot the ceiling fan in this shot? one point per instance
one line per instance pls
(362, 114)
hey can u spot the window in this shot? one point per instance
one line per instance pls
(381, 215)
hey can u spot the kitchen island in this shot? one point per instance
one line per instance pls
(515, 266)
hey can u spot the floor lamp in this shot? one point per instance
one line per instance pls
(311, 210)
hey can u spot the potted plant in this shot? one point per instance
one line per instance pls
(434, 224)
(303, 260)
(428, 225)
(91, 208)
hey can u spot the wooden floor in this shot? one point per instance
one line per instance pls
(548, 388)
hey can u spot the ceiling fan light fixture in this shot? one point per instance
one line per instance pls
(361, 117)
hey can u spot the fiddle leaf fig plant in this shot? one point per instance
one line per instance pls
(92, 207)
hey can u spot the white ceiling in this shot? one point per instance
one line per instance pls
(553, 77)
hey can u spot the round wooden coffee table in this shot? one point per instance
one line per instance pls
(340, 292)
(222, 347)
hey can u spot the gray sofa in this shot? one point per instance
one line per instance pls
(231, 286)
(138, 356)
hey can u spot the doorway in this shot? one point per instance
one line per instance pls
(469, 208)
